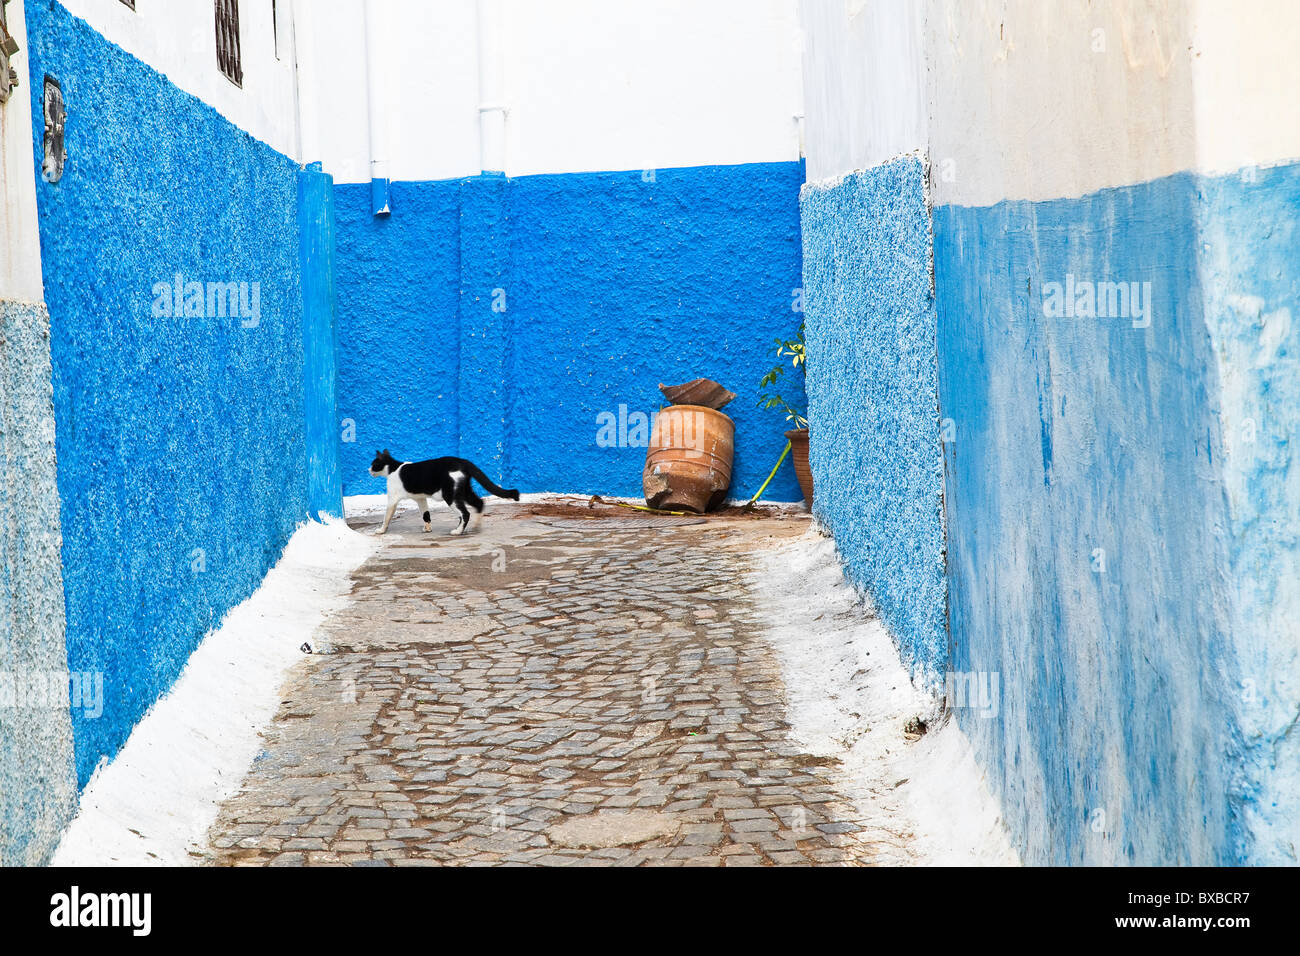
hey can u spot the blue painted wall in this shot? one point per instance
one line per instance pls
(484, 390)
(322, 435)
(1120, 508)
(873, 398)
(398, 284)
(180, 440)
(1250, 270)
(611, 282)
(1091, 546)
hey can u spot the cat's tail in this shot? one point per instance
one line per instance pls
(476, 473)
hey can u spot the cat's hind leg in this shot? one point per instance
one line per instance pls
(464, 516)
(475, 502)
(450, 495)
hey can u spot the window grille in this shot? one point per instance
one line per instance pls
(228, 41)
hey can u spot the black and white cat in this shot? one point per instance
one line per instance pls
(421, 480)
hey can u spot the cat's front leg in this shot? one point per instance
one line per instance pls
(388, 515)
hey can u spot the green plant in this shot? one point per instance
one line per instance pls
(768, 396)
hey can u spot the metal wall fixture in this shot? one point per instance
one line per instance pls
(8, 47)
(228, 57)
(56, 117)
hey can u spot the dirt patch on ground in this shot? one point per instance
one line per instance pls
(596, 507)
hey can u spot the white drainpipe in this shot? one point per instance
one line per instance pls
(491, 87)
(378, 104)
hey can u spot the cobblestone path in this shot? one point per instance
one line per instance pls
(542, 693)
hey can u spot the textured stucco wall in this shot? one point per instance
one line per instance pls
(1033, 100)
(610, 283)
(179, 41)
(1120, 501)
(873, 397)
(38, 789)
(180, 440)
(399, 325)
(483, 391)
(622, 283)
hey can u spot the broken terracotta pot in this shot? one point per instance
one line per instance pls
(688, 463)
(698, 391)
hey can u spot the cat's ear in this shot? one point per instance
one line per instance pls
(385, 451)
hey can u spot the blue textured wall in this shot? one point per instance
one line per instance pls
(173, 435)
(1121, 507)
(873, 397)
(1087, 527)
(484, 391)
(613, 283)
(319, 341)
(398, 286)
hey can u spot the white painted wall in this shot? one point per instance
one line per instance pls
(178, 39)
(595, 84)
(864, 83)
(433, 87)
(1027, 99)
(20, 244)
(589, 85)
(1034, 100)
(1246, 82)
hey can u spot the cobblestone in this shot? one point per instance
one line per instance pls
(481, 696)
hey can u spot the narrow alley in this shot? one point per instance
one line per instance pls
(553, 690)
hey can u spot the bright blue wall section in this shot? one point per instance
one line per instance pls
(1086, 520)
(873, 398)
(622, 283)
(613, 283)
(484, 391)
(172, 434)
(319, 341)
(398, 286)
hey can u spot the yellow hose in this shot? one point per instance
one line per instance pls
(758, 494)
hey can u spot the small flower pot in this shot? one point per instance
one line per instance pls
(799, 453)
